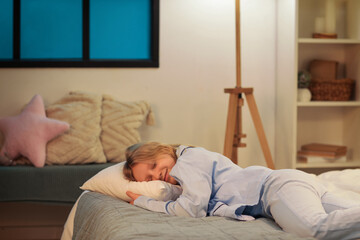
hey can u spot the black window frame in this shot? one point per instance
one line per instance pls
(16, 62)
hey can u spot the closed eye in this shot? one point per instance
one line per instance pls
(152, 167)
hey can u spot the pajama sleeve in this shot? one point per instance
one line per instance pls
(195, 178)
(160, 206)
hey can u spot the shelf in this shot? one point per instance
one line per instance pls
(329, 165)
(330, 122)
(329, 104)
(328, 41)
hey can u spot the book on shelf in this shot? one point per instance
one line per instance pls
(306, 153)
(319, 159)
(322, 153)
(319, 147)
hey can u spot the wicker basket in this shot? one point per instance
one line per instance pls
(332, 90)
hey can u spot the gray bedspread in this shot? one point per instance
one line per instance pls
(103, 217)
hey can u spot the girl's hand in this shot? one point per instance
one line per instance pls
(133, 196)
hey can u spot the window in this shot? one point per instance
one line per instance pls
(79, 33)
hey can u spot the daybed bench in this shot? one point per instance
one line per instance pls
(66, 143)
(58, 184)
(35, 202)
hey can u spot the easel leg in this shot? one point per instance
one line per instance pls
(259, 129)
(230, 128)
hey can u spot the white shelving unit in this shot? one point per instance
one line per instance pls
(329, 122)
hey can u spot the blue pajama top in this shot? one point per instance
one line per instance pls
(212, 186)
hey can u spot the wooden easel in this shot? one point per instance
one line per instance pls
(234, 132)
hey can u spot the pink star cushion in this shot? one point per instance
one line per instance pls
(28, 133)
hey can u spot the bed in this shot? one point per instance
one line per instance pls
(99, 216)
(110, 218)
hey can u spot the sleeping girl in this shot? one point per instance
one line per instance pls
(214, 186)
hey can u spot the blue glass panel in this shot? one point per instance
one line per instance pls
(120, 29)
(6, 29)
(51, 29)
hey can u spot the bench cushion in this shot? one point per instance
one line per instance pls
(49, 184)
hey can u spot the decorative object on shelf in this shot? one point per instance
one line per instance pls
(353, 19)
(325, 87)
(330, 17)
(303, 93)
(319, 25)
(323, 70)
(332, 90)
(322, 153)
(304, 78)
(326, 27)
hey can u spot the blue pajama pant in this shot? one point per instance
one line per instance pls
(300, 204)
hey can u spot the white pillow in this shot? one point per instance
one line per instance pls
(110, 181)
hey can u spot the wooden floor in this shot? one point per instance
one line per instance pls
(23, 220)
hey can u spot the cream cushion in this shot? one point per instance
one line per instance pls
(81, 144)
(120, 123)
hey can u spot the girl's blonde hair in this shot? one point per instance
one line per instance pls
(146, 152)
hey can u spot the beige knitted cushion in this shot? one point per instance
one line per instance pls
(81, 144)
(120, 123)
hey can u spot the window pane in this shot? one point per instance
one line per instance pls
(120, 29)
(51, 29)
(6, 29)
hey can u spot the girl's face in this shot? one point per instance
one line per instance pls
(159, 170)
